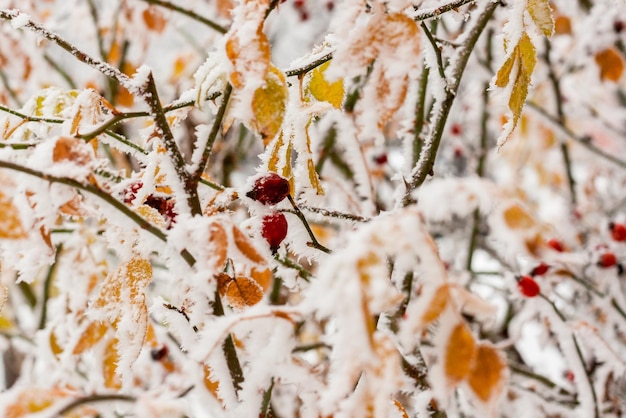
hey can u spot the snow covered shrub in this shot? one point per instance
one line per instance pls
(312, 208)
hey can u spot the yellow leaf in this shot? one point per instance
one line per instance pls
(460, 353)
(10, 223)
(610, 63)
(269, 103)
(502, 77)
(323, 90)
(92, 335)
(487, 376)
(151, 215)
(527, 54)
(541, 14)
(245, 246)
(436, 305)
(33, 400)
(518, 97)
(109, 365)
(516, 217)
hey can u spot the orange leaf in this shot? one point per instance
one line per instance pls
(109, 365)
(242, 292)
(10, 223)
(610, 63)
(219, 243)
(72, 149)
(154, 19)
(437, 304)
(245, 246)
(211, 383)
(460, 353)
(33, 400)
(517, 218)
(263, 277)
(94, 333)
(487, 376)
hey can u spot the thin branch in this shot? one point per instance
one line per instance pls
(285, 261)
(442, 109)
(94, 399)
(419, 114)
(141, 222)
(46, 287)
(101, 66)
(215, 129)
(314, 242)
(437, 51)
(189, 13)
(229, 349)
(438, 11)
(335, 214)
(308, 67)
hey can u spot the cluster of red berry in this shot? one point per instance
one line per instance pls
(271, 189)
(163, 204)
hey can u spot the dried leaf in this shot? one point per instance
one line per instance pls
(460, 353)
(250, 60)
(269, 104)
(10, 223)
(72, 149)
(610, 63)
(33, 400)
(211, 383)
(263, 277)
(154, 19)
(516, 217)
(323, 90)
(436, 305)
(562, 25)
(109, 365)
(541, 13)
(245, 246)
(219, 244)
(91, 336)
(243, 291)
(487, 376)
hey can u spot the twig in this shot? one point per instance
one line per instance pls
(437, 51)
(267, 397)
(442, 110)
(314, 242)
(285, 261)
(141, 222)
(308, 67)
(441, 10)
(94, 399)
(335, 214)
(419, 114)
(182, 312)
(46, 287)
(101, 66)
(229, 349)
(189, 13)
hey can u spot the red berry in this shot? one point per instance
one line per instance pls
(607, 260)
(330, 6)
(130, 192)
(159, 354)
(274, 229)
(298, 4)
(269, 189)
(540, 270)
(556, 245)
(569, 375)
(618, 232)
(381, 159)
(456, 129)
(528, 287)
(165, 206)
(304, 15)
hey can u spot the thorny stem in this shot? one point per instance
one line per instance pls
(182, 312)
(189, 13)
(585, 141)
(101, 66)
(285, 261)
(151, 96)
(141, 222)
(442, 110)
(46, 287)
(94, 399)
(215, 129)
(314, 242)
(558, 96)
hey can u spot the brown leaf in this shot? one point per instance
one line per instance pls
(487, 376)
(263, 277)
(10, 222)
(92, 335)
(436, 305)
(219, 244)
(242, 292)
(154, 19)
(72, 149)
(610, 63)
(460, 353)
(245, 246)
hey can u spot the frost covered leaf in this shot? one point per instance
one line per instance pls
(246, 247)
(269, 103)
(91, 336)
(154, 19)
(109, 365)
(243, 291)
(72, 149)
(517, 217)
(437, 304)
(541, 14)
(251, 58)
(523, 59)
(10, 222)
(486, 378)
(219, 243)
(610, 63)
(151, 215)
(460, 353)
(323, 90)
(280, 158)
(210, 382)
(33, 400)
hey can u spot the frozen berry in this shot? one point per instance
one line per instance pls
(159, 354)
(330, 6)
(556, 245)
(618, 232)
(269, 189)
(607, 260)
(165, 206)
(618, 26)
(456, 129)
(540, 269)
(130, 192)
(528, 286)
(298, 4)
(274, 229)
(381, 159)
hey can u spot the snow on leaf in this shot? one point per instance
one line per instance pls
(268, 105)
(541, 14)
(323, 90)
(151, 215)
(459, 354)
(610, 63)
(110, 365)
(244, 244)
(488, 373)
(10, 222)
(33, 400)
(243, 291)
(72, 149)
(517, 217)
(439, 301)
(91, 336)
(219, 243)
